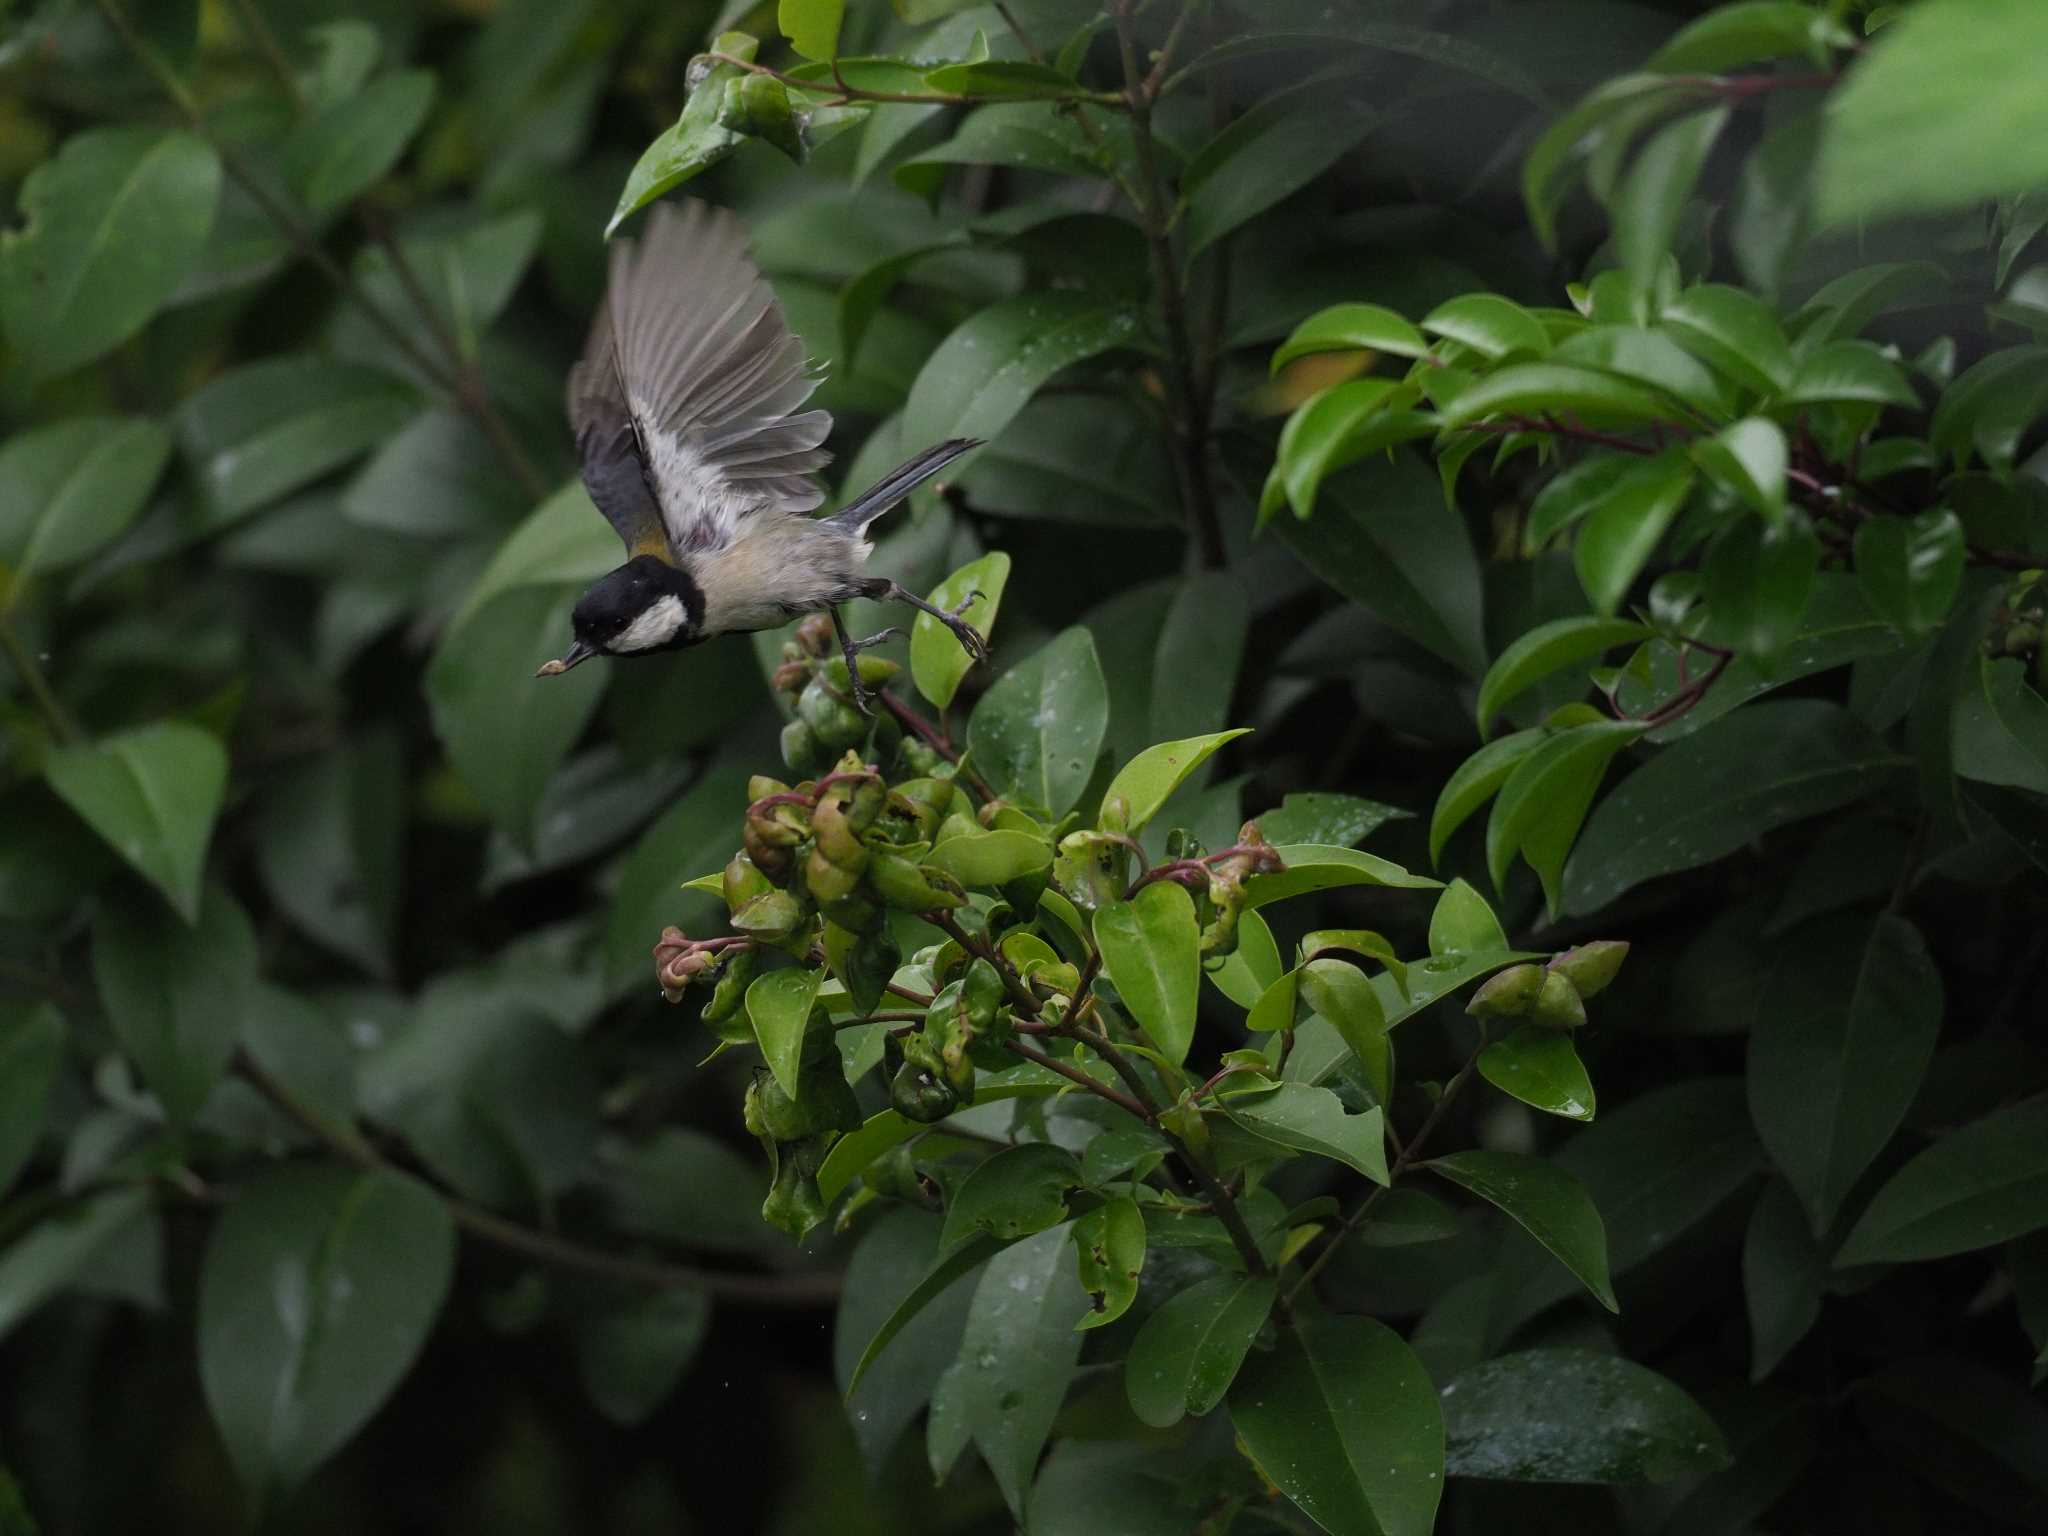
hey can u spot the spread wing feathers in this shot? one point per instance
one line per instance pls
(691, 366)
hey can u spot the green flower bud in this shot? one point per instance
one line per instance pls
(1507, 994)
(982, 993)
(826, 881)
(920, 757)
(743, 882)
(772, 917)
(920, 1092)
(760, 787)
(801, 749)
(911, 887)
(1186, 1122)
(772, 1114)
(1558, 1004)
(869, 963)
(1591, 966)
(723, 1014)
(874, 671)
(835, 723)
(838, 839)
(865, 802)
(894, 1176)
(795, 1204)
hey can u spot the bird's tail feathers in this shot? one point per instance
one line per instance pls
(899, 483)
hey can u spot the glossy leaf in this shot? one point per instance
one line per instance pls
(348, 146)
(1746, 32)
(1147, 781)
(152, 794)
(779, 1009)
(1319, 816)
(1574, 1416)
(70, 489)
(983, 373)
(1343, 1419)
(857, 1150)
(111, 226)
(1849, 371)
(1351, 327)
(1546, 649)
(1476, 781)
(896, 1249)
(1327, 433)
(1190, 1350)
(1537, 388)
(1463, 923)
(1035, 734)
(990, 858)
(938, 661)
(1546, 1201)
(1652, 198)
(1540, 1067)
(698, 139)
(1490, 325)
(1149, 952)
(1313, 867)
(1735, 332)
(1339, 991)
(1842, 1040)
(1748, 459)
(1541, 806)
(1759, 768)
(1911, 568)
(1109, 1244)
(1759, 581)
(318, 1288)
(1252, 967)
(1974, 1187)
(1623, 528)
(1314, 1120)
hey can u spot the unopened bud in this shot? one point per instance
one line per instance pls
(1558, 1004)
(1591, 966)
(1507, 994)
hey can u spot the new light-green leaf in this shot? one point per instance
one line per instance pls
(1552, 1205)
(1344, 1420)
(1546, 649)
(1539, 1066)
(1351, 327)
(317, 1291)
(152, 795)
(812, 26)
(938, 661)
(1150, 949)
(1147, 780)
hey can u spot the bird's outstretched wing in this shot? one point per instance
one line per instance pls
(685, 403)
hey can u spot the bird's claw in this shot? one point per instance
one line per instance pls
(852, 650)
(970, 638)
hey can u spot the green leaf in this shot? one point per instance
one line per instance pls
(1381, 539)
(1252, 967)
(1964, 1426)
(1762, 767)
(1548, 170)
(1274, 1008)
(1149, 949)
(112, 225)
(990, 858)
(1545, 1200)
(1312, 1119)
(43, 1260)
(1021, 1323)
(1316, 867)
(779, 1009)
(1017, 79)
(1344, 1420)
(1748, 460)
(981, 375)
(1540, 388)
(1735, 332)
(1649, 357)
(152, 795)
(1540, 1067)
(1340, 992)
(1035, 734)
(1988, 410)
(897, 1247)
(1319, 816)
(937, 1280)
(1574, 1416)
(1545, 799)
(1490, 325)
(1404, 1217)
(1284, 142)
(1977, 1186)
(1944, 111)
(1546, 649)
(1784, 1273)
(1463, 923)
(331, 845)
(696, 830)
(1652, 199)
(857, 1150)
(70, 489)
(812, 26)
(1109, 1244)
(1351, 327)
(267, 428)
(1326, 434)
(632, 1350)
(1759, 580)
(1911, 568)
(696, 141)
(1475, 781)
(1623, 527)
(938, 661)
(317, 1291)
(31, 1051)
(1196, 661)
(1853, 371)
(1025, 135)
(1148, 780)
(2001, 727)
(1190, 1350)
(1019, 1191)
(506, 730)
(344, 149)
(1747, 32)
(1842, 1040)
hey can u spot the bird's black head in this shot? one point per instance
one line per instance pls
(645, 605)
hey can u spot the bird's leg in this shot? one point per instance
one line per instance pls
(969, 637)
(851, 648)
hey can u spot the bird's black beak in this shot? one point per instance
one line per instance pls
(578, 654)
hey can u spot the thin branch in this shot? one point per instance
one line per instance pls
(766, 1290)
(62, 726)
(251, 18)
(1076, 1076)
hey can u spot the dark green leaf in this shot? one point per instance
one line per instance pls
(1539, 1066)
(1026, 135)
(1547, 1201)
(857, 1150)
(1313, 1120)
(1266, 154)
(152, 794)
(114, 222)
(1974, 1187)
(1035, 734)
(1573, 1416)
(331, 844)
(70, 489)
(1746, 32)
(1405, 1216)
(982, 374)
(1759, 768)
(31, 1051)
(46, 1258)
(1548, 169)
(1189, 1351)
(1019, 1191)
(1317, 816)
(1342, 1418)
(632, 1350)
(1475, 782)
(318, 1288)
(347, 147)
(1624, 526)
(896, 1250)
(1911, 568)
(1841, 1042)
(1784, 1273)
(1149, 952)
(1972, 1431)
(2001, 728)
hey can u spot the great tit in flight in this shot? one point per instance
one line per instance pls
(685, 407)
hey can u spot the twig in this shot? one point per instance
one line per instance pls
(62, 726)
(1406, 1157)
(1075, 1075)
(768, 1290)
(937, 740)
(265, 40)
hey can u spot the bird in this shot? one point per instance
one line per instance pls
(686, 408)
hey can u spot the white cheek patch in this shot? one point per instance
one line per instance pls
(660, 624)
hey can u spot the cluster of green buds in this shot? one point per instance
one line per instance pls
(797, 1131)
(1094, 868)
(814, 684)
(965, 1026)
(1553, 994)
